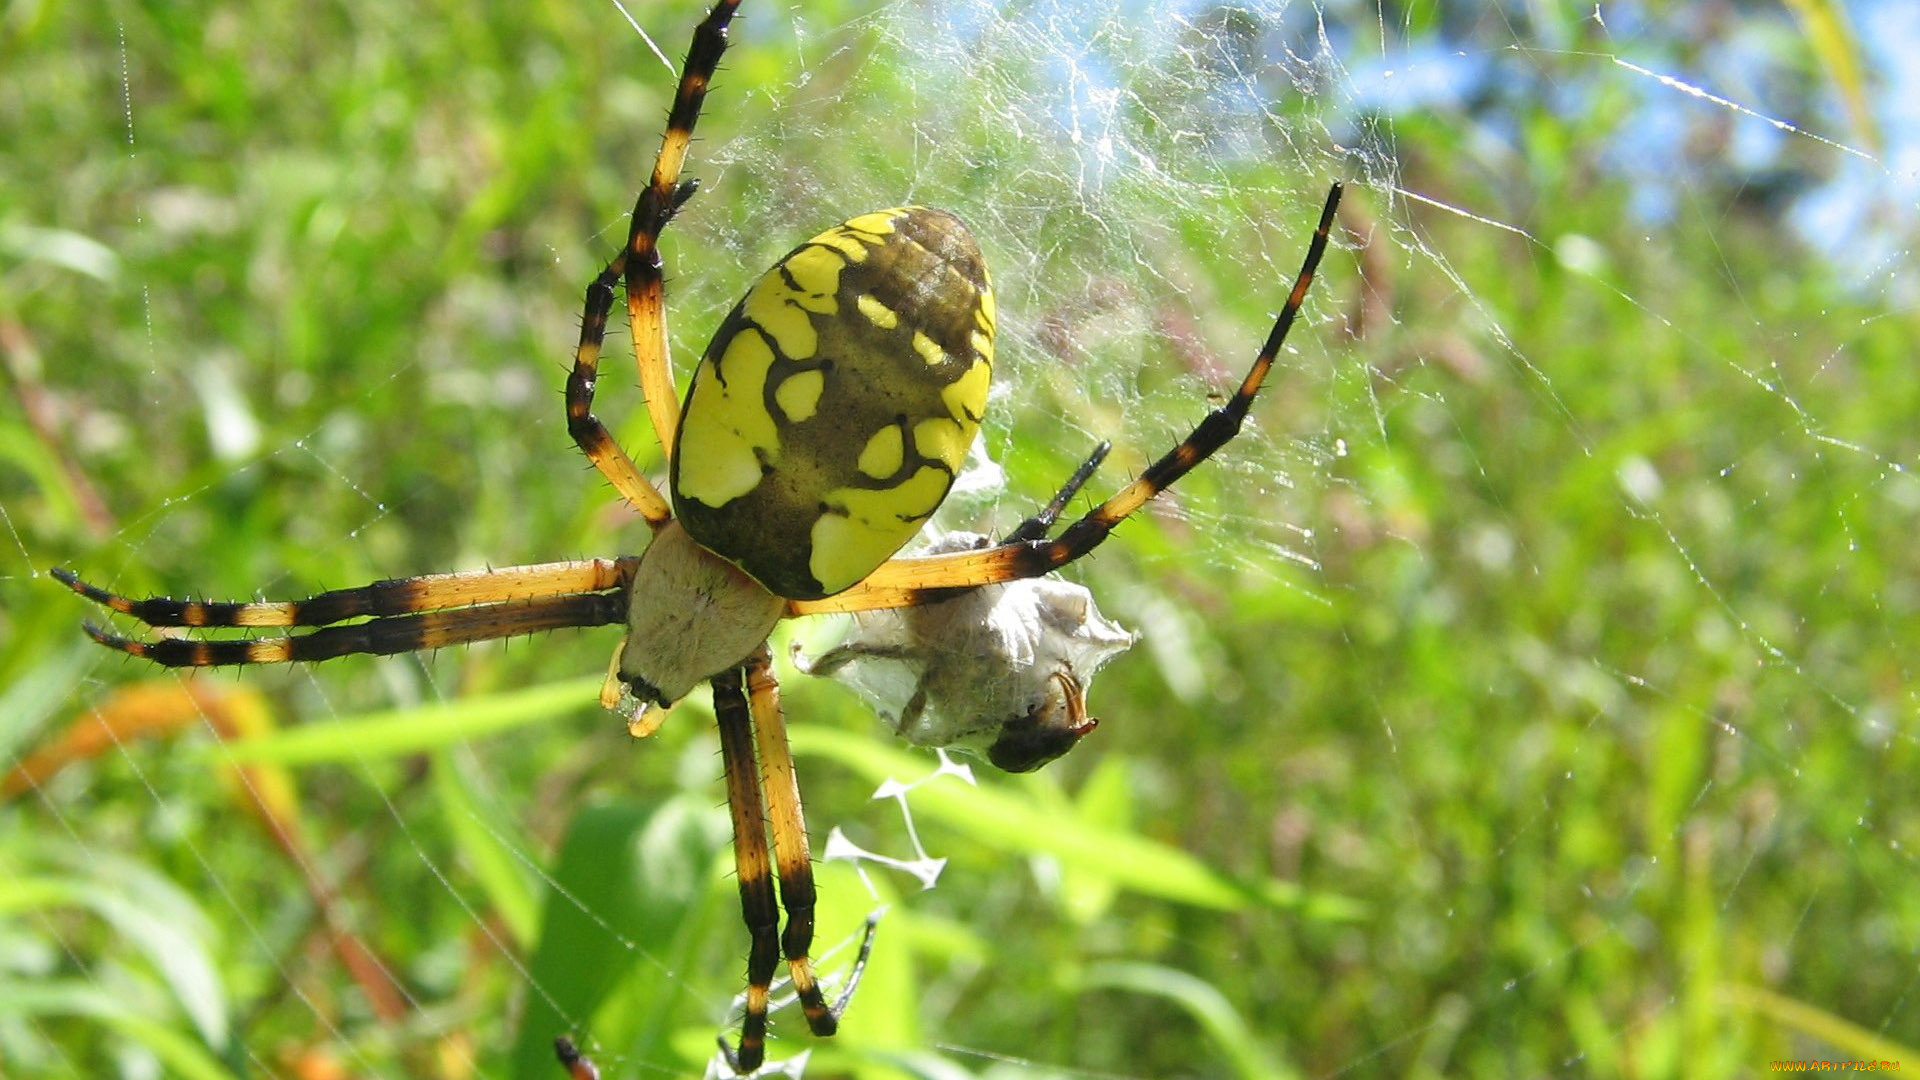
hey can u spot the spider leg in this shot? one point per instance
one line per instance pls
(913, 581)
(408, 613)
(589, 433)
(751, 866)
(384, 636)
(639, 263)
(664, 194)
(752, 726)
(793, 859)
(398, 596)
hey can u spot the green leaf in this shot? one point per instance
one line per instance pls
(152, 915)
(1206, 1004)
(399, 732)
(490, 841)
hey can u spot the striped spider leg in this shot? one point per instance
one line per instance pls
(406, 614)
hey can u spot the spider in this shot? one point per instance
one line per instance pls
(824, 424)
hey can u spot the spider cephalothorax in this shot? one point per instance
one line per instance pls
(823, 426)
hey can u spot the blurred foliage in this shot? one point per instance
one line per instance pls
(1528, 692)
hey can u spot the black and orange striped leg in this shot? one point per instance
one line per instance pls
(380, 637)
(398, 596)
(792, 854)
(762, 789)
(913, 581)
(407, 614)
(663, 195)
(793, 859)
(588, 432)
(752, 867)
(1216, 430)
(640, 265)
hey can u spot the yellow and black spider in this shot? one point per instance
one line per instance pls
(824, 425)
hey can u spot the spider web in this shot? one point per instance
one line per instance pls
(1527, 690)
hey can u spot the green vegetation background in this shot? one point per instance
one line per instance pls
(1530, 693)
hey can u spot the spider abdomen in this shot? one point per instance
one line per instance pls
(834, 407)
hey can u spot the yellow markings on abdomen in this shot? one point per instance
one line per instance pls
(878, 223)
(837, 402)
(876, 312)
(720, 459)
(783, 303)
(943, 439)
(855, 534)
(843, 242)
(966, 396)
(798, 395)
(884, 453)
(933, 354)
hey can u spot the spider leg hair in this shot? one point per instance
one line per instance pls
(909, 582)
